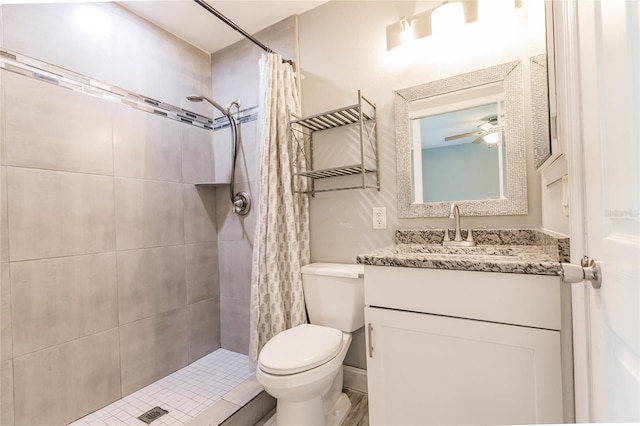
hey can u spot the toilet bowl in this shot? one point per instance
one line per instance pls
(303, 395)
(302, 367)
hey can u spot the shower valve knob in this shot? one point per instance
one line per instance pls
(241, 203)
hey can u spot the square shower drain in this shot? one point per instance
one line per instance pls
(153, 414)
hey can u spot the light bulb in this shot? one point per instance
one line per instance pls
(491, 138)
(447, 19)
(407, 31)
(495, 11)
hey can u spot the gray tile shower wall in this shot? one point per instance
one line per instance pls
(236, 75)
(108, 253)
(80, 376)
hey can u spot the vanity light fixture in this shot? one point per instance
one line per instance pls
(419, 25)
(495, 11)
(407, 30)
(447, 18)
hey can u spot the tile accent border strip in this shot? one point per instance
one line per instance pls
(42, 71)
(244, 116)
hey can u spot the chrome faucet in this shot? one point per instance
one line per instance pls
(455, 214)
(457, 239)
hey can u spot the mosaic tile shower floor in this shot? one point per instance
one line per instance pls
(185, 393)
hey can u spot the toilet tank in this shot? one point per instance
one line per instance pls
(334, 295)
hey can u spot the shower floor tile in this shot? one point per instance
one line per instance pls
(185, 393)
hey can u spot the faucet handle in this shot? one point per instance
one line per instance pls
(446, 235)
(470, 233)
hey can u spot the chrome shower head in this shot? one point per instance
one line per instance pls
(199, 98)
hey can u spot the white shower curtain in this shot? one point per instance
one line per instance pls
(281, 244)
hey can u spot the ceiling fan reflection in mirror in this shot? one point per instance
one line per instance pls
(488, 133)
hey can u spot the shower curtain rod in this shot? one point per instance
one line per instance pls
(233, 25)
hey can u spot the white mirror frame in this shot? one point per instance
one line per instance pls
(555, 147)
(515, 202)
(540, 110)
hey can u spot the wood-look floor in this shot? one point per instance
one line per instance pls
(358, 416)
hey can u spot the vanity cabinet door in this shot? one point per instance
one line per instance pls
(428, 369)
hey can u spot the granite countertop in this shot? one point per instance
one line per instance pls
(509, 251)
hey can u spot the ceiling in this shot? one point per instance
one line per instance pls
(192, 23)
(435, 128)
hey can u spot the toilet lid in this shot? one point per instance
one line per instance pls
(343, 270)
(299, 349)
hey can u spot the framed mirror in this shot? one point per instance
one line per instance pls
(542, 147)
(462, 139)
(544, 112)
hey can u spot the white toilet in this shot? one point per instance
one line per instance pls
(302, 367)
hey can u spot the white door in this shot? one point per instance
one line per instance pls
(606, 225)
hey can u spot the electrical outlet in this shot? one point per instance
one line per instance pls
(379, 218)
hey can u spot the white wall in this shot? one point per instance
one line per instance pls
(343, 49)
(553, 216)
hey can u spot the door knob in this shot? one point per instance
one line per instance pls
(589, 270)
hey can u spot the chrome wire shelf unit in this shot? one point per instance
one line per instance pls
(362, 115)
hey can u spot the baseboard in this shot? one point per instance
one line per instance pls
(355, 378)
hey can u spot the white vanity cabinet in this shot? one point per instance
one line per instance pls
(459, 347)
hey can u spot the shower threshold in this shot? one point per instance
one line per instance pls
(216, 389)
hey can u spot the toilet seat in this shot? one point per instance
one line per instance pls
(300, 349)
